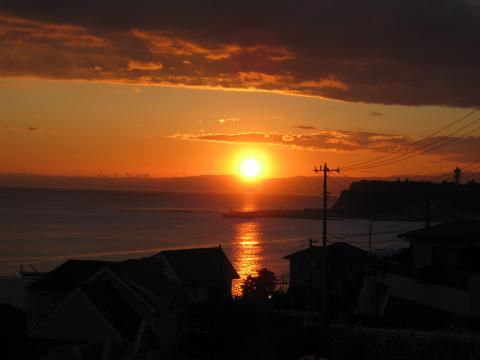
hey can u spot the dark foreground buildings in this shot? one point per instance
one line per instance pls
(151, 307)
(346, 266)
(134, 308)
(433, 283)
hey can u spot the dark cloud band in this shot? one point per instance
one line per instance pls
(411, 52)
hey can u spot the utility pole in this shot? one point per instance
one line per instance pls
(427, 206)
(370, 234)
(309, 301)
(325, 169)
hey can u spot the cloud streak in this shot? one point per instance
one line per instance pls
(412, 52)
(455, 149)
(321, 140)
(15, 128)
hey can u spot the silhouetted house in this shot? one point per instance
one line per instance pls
(116, 301)
(45, 293)
(346, 265)
(102, 308)
(444, 272)
(452, 245)
(204, 273)
(130, 304)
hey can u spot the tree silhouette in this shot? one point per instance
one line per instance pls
(259, 288)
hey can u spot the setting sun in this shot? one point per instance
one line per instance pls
(250, 168)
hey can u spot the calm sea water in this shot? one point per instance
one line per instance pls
(44, 227)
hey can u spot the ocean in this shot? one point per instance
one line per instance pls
(45, 227)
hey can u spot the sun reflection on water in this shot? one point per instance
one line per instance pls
(247, 257)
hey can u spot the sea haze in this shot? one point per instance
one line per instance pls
(44, 227)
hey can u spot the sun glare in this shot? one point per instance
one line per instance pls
(250, 168)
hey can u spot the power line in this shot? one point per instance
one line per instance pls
(471, 176)
(343, 179)
(445, 176)
(388, 231)
(413, 143)
(392, 243)
(425, 146)
(470, 171)
(398, 159)
(439, 178)
(339, 182)
(363, 242)
(346, 177)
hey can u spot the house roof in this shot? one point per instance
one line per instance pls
(68, 275)
(147, 273)
(455, 230)
(112, 305)
(109, 296)
(192, 266)
(339, 251)
(200, 265)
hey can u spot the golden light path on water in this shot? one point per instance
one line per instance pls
(247, 258)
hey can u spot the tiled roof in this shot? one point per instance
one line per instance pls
(201, 265)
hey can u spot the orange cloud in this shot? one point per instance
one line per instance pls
(320, 140)
(139, 65)
(22, 30)
(346, 141)
(349, 51)
(328, 82)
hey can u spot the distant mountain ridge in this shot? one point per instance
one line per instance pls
(202, 183)
(301, 185)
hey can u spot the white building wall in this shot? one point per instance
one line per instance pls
(423, 253)
(453, 300)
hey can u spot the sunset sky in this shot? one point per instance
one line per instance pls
(188, 87)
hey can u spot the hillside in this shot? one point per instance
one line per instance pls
(409, 198)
